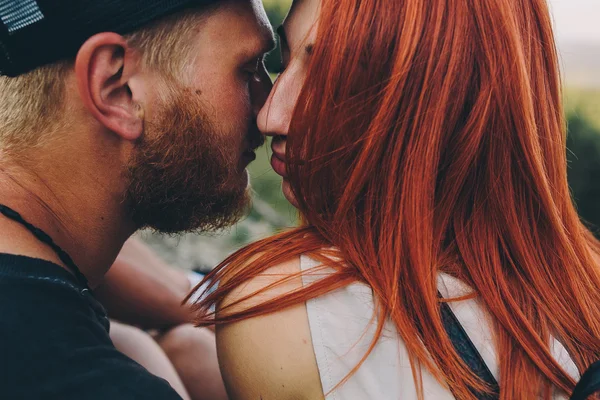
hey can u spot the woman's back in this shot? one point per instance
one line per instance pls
(342, 328)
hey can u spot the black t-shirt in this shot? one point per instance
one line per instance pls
(54, 341)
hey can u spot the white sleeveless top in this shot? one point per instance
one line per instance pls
(342, 328)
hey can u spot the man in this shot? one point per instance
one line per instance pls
(114, 115)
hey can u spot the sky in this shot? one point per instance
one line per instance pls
(576, 20)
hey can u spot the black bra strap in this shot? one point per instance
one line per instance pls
(468, 352)
(589, 383)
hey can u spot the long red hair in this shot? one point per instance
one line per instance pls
(429, 136)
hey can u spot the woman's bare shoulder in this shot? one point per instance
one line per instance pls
(270, 356)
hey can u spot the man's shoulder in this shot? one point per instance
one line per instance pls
(54, 341)
(22, 271)
(39, 294)
(95, 373)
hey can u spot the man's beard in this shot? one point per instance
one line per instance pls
(185, 174)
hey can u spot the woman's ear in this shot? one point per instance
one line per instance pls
(104, 68)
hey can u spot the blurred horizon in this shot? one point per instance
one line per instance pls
(577, 32)
(576, 20)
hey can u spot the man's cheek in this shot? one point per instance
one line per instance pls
(233, 103)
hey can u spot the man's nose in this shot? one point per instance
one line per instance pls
(259, 89)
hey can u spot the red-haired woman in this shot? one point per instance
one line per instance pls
(423, 143)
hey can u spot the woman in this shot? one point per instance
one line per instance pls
(424, 146)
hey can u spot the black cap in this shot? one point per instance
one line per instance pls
(38, 32)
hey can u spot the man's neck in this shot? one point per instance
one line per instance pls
(78, 213)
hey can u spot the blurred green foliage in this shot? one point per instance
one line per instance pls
(583, 154)
(585, 103)
(276, 11)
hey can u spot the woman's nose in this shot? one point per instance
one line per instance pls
(274, 117)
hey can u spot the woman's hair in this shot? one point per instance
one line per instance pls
(429, 137)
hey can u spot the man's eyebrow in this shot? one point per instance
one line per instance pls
(267, 43)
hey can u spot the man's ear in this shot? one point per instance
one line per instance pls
(104, 67)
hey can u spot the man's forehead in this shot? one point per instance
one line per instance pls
(246, 22)
(247, 11)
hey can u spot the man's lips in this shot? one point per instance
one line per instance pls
(249, 156)
(254, 141)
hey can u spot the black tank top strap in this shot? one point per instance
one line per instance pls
(468, 352)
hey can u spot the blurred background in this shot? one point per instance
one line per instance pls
(577, 27)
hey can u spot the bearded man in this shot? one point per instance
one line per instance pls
(114, 116)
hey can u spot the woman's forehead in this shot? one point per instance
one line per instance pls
(302, 17)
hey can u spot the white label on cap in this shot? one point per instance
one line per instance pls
(17, 14)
